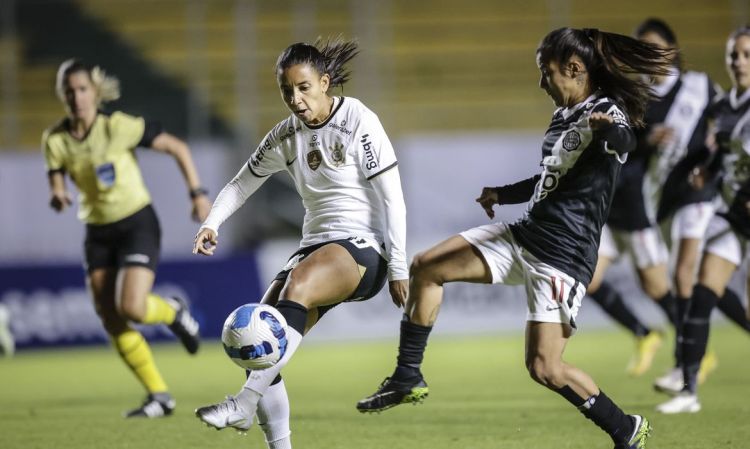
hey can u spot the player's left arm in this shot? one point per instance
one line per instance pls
(612, 128)
(378, 162)
(179, 150)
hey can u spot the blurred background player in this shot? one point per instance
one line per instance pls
(97, 150)
(675, 138)
(653, 195)
(7, 342)
(553, 248)
(354, 232)
(728, 230)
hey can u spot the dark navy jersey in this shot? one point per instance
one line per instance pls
(732, 122)
(653, 183)
(684, 108)
(628, 211)
(571, 200)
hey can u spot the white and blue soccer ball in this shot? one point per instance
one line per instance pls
(254, 336)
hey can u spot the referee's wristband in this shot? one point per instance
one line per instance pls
(198, 191)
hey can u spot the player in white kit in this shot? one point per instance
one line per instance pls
(354, 232)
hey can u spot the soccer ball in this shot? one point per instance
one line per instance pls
(254, 336)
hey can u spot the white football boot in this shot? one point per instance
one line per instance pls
(227, 413)
(685, 402)
(670, 383)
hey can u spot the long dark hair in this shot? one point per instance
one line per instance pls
(329, 56)
(743, 30)
(613, 62)
(664, 31)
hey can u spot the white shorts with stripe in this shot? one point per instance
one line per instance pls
(691, 220)
(723, 241)
(645, 247)
(551, 295)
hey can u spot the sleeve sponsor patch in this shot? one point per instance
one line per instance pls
(618, 115)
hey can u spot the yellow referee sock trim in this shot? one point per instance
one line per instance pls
(158, 310)
(136, 353)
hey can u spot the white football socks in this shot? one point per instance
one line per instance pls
(258, 382)
(273, 417)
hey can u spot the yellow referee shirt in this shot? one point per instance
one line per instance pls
(102, 165)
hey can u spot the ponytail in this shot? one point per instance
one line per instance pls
(613, 61)
(329, 56)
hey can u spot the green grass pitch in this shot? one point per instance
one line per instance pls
(480, 397)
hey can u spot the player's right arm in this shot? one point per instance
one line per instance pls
(266, 160)
(60, 199)
(519, 192)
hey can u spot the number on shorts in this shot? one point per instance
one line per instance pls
(359, 243)
(557, 294)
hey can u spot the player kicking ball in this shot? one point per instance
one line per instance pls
(552, 250)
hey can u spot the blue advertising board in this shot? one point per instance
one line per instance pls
(49, 304)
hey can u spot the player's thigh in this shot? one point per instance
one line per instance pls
(134, 283)
(715, 273)
(328, 275)
(602, 265)
(686, 265)
(722, 254)
(101, 283)
(454, 259)
(545, 343)
(654, 280)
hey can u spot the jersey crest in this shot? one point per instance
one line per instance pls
(336, 154)
(314, 158)
(571, 140)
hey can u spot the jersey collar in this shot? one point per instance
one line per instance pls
(336, 108)
(663, 88)
(567, 112)
(88, 132)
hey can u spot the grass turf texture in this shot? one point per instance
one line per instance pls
(480, 397)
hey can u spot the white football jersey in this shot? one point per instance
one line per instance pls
(332, 165)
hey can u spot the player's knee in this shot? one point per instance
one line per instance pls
(113, 324)
(297, 287)
(545, 372)
(130, 309)
(684, 280)
(423, 268)
(656, 290)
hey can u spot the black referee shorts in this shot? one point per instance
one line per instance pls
(134, 240)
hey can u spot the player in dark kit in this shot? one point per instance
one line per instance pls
(729, 230)
(653, 193)
(675, 139)
(552, 250)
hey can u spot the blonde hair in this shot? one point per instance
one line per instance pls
(107, 86)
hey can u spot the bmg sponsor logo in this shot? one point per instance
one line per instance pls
(260, 153)
(371, 160)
